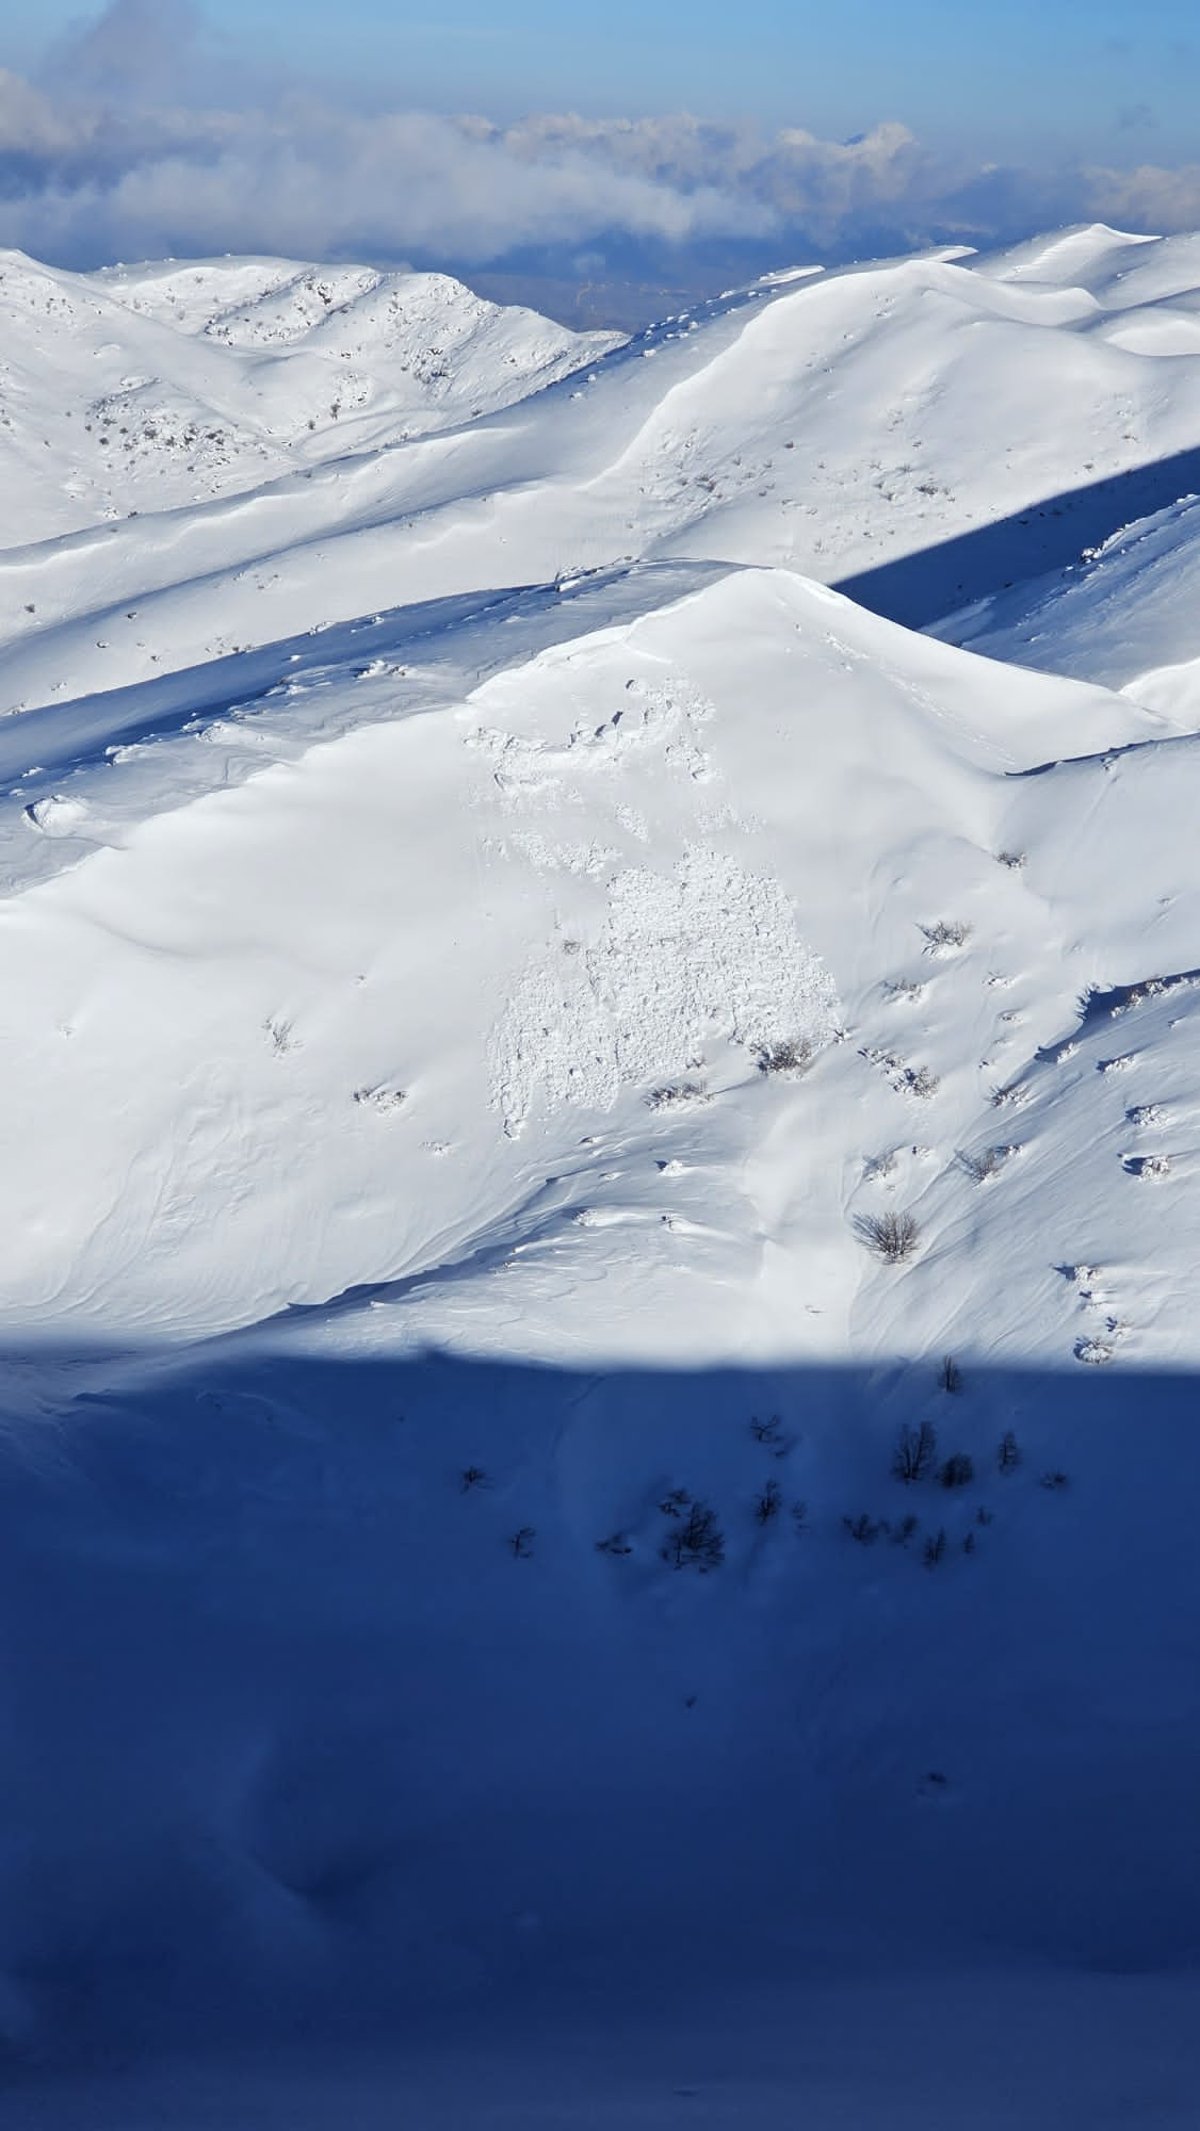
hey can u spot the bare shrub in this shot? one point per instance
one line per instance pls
(382, 1099)
(892, 1236)
(1094, 1352)
(1014, 860)
(864, 1529)
(945, 937)
(916, 1449)
(904, 1531)
(950, 1375)
(472, 1477)
(698, 1542)
(617, 1544)
(986, 1162)
(521, 1542)
(904, 1078)
(768, 1431)
(790, 1058)
(1055, 1479)
(674, 1504)
(1008, 1456)
(958, 1470)
(1147, 1165)
(933, 1549)
(1011, 1097)
(769, 1503)
(800, 1517)
(679, 1095)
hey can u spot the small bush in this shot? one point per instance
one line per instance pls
(1008, 1456)
(904, 1078)
(945, 937)
(674, 1504)
(768, 1431)
(904, 1531)
(698, 1543)
(769, 1503)
(950, 1375)
(958, 1470)
(986, 1163)
(800, 1517)
(933, 1549)
(616, 1544)
(916, 1449)
(679, 1095)
(790, 1058)
(863, 1528)
(521, 1542)
(1094, 1352)
(1055, 1479)
(1011, 1097)
(472, 1477)
(892, 1236)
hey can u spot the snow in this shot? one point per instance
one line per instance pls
(493, 942)
(1127, 615)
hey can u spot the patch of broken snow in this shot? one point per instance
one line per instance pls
(709, 952)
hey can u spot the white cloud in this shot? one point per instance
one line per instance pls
(112, 155)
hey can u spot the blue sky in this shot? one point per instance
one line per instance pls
(1097, 77)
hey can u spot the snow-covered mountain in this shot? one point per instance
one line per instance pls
(601, 1169)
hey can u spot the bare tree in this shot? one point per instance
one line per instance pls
(521, 1542)
(916, 1449)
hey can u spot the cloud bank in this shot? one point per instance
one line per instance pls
(126, 147)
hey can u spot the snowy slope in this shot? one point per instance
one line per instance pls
(646, 851)
(1127, 615)
(830, 425)
(489, 943)
(185, 382)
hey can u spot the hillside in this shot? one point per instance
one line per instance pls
(543, 1045)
